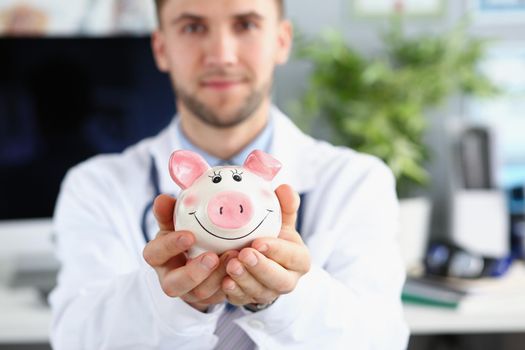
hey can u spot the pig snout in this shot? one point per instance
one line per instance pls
(230, 210)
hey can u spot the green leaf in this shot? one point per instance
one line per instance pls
(376, 104)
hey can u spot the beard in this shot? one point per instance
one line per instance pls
(213, 118)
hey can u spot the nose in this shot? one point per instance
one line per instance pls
(230, 210)
(221, 49)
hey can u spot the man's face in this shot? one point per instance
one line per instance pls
(221, 55)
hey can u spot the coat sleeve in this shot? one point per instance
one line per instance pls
(350, 299)
(107, 297)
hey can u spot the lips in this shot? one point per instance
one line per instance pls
(221, 84)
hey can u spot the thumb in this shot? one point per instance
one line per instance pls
(163, 208)
(289, 201)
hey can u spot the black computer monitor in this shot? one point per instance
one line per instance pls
(63, 100)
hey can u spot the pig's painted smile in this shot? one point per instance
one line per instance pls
(232, 238)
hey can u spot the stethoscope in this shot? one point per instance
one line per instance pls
(155, 184)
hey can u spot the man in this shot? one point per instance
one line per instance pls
(336, 284)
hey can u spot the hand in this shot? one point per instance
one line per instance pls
(196, 281)
(271, 266)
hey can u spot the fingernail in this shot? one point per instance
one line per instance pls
(208, 262)
(263, 248)
(183, 241)
(236, 268)
(250, 259)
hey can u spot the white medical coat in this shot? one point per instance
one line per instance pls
(107, 297)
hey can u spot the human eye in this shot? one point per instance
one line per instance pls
(245, 25)
(193, 28)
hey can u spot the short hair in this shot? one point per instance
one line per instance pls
(280, 7)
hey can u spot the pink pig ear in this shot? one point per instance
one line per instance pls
(185, 167)
(262, 164)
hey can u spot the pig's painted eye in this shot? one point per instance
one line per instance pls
(216, 177)
(237, 176)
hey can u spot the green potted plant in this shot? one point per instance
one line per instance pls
(378, 104)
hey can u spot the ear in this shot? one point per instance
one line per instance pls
(158, 46)
(262, 164)
(284, 41)
(186, 167)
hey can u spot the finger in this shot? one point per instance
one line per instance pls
(163, 208)
(234, 293)
(173, 263)
(269, 274)
(289, 201)
(289, 254)
(182, 280)
(212, 284)
(164, 247)
(216, 298)
(247, 283)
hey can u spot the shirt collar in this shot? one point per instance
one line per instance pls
(263, 142)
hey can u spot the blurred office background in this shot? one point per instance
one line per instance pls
(79, 79)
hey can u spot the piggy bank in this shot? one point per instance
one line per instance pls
(225, 207)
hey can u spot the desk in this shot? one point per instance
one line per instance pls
(498, 307)
(425, 320)
(25, 319)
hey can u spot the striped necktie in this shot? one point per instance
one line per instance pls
(231, 336)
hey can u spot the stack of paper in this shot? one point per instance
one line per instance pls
(503, 294)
